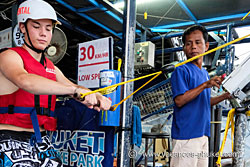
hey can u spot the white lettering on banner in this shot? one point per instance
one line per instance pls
(93, 57)
(81, 160)
(79, 148)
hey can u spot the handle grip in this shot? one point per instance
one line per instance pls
(112, 108)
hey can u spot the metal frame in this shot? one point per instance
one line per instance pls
(188, 23)
(187, 11)
(88, 17)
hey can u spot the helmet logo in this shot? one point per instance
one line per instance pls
(23, 10)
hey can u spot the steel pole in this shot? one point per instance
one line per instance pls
(217, 129)
(129, 41)
(211, 139)
(239, 137)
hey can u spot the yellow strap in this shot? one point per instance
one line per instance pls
(119, 64)
(177, 65)
(212, 50)
(108, 91)
(248, 113)
(230, 118)
(232, 131)
(102, 116)
(136, 91)
(118, 84)
(245, 16)
(145, 15)
(196, 57)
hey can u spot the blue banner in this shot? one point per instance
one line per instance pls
(79, 139)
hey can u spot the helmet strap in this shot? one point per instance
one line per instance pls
(42, 60)
(31, 47)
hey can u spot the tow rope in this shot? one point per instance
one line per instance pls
(166, 69)
(230, 121)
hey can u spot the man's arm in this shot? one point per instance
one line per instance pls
(188, 96)
(217, 99)
(11, 66)
(193, 93)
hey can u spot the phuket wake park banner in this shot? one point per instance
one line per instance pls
(80, 140)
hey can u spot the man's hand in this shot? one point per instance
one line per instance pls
(215, 81)
(227, 95)
(103, 102)
(218, 99)
(90, 100)
(94, 101)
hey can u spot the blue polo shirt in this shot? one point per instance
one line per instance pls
(193, 119)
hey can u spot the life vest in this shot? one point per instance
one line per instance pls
(17, 108)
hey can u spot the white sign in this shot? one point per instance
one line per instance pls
(18, 36)
(93, 57)
(6, 38)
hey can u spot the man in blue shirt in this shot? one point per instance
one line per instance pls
(192, 96)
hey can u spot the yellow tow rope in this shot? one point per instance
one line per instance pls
(118, 84)
(230, 121)
(245, 16)
(159, 72)
(212, 50)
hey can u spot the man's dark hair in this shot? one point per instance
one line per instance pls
(193, 28)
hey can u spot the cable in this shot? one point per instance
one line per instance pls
(169, 18)
(116, 105)
(212, 50)
(158, 73)
(165, 14)
(245, 16)
(3, 15)
(8, 3)
(118, 84)
(230, 120)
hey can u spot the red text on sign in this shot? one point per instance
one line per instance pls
(90, 53)
(95, 76)
(89, 77)
(84, 77)
(101, 55)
